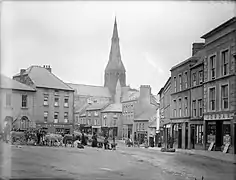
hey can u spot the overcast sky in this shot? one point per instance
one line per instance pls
(75, 37)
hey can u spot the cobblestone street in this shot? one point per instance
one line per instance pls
(124, 163)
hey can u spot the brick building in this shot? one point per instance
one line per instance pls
(53, 101)
(220, 86)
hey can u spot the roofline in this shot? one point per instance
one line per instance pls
(196, 65)
(191, 59)
(129, 100)
(32, 90)
(111, 111)
(86, 85)
(55, 88)
(219, 28)
(161, 90)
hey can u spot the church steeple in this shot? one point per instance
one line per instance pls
(115, 68)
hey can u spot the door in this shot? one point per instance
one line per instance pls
(219, 135)
(192, 137)
(234, 138)
(179, 138)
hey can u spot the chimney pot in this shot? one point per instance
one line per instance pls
(22, 71)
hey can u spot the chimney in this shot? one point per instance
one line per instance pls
(197, 47)
(145, 93)
(48, 68)
(22, 71)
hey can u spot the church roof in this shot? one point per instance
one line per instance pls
(8, 83)
(113, 108)
(115, 62)
(41, 77)
(89, 90)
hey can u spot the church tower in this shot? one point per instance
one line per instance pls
(115, 69)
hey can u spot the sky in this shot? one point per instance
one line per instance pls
(74, 37)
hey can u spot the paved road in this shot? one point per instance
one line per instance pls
(124, 163)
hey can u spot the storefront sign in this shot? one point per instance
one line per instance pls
(226, 139)
(211, 138)
(218, 116)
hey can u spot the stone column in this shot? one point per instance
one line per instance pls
(183, 135)
(189, 135)
(205, 124)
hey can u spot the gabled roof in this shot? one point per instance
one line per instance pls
(97, 106)
(8, 83)
(191, 59)
(113, 108)
(41, 77)
(219, 28)
(89, 90)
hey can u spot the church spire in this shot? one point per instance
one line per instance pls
(115, 62)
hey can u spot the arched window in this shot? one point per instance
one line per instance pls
(24, 122)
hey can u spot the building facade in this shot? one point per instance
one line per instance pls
(17, 110)
(220, 87)
(180, 101)
(53, 101)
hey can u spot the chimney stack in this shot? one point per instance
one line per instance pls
(145, 93)
(48, 68)
(197, 47)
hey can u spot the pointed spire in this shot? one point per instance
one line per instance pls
(115, 31)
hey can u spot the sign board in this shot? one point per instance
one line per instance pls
(211, 138)
(226, 139)
(211, 146)
(226, 147)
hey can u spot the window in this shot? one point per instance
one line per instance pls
(180, 108)
(56, 117)
(95, 113)
(137, 127)
(194, 109)
(66, 117)
(8, 99)
(186, 79)
(186, 106)
(200, 107)
(224, 97)
(199, 132)
(140, 126)
(212, 66)
(180, 82)
(175, 84)
(24, 101)
(56, 103)
(77, 119)
(45, 101)
(89, 114)
(24, 123)
(212, 99)
(194, 79)
(200, 77)
(45, 114)
(225, 62)
(66, 102)
(143, 126)
(174, 110)
(56, 92)
(105, 122)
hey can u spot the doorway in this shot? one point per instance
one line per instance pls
(192, 137)
(179, 138)
(234, 138)
(219, 135)
(186, 136)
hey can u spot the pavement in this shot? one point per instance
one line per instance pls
(124, 163)
(226, 157)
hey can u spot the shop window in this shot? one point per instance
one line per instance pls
(199, 134)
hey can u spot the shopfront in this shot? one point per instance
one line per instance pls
(196, 135)
(56, 128)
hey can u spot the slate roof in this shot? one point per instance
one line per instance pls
(41, 77)
(96, 106)
(89, 90)
(113, 108)
(8, 83)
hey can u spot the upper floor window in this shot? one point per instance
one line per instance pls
(143, 126)
(24, 100)
(174, 110)
(180, 82)
(45, 114)
(186, 79)
(194, 79)
(45, 100)
(56, 117)
(95, 113)
(8, 99)
(89, 114)
(225, 62)
(200, 77)
(224, 96)
(137, 127)
(56, 92)
(56, 103)
(186, 106)
(180, 108)
(66, 102)
(194, 108)
(212, 67)
(200, 107)
(175, 85)
(66, 117)
(212, 98)
(105, 122)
